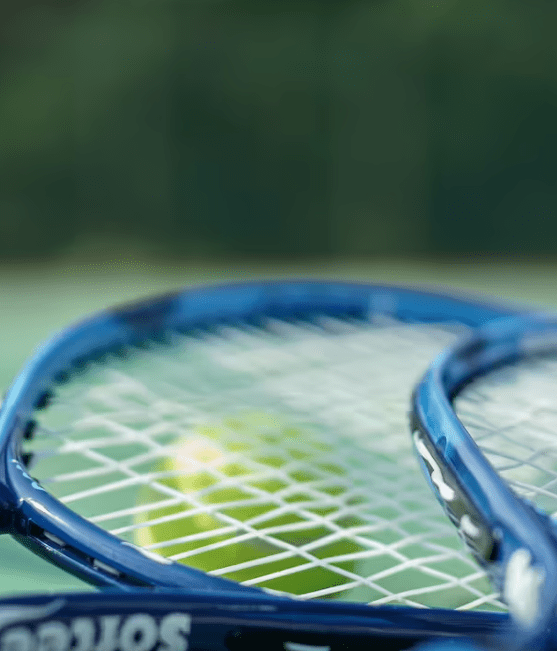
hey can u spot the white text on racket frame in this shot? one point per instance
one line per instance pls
(136, 632)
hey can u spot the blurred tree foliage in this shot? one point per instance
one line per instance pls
(291, 128)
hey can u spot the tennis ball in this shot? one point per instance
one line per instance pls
(215, 505)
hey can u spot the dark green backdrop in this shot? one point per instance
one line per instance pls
(281, 129)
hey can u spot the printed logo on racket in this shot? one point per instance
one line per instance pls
(521, 582)
(475, 535)
(136, 632)
(34, 483)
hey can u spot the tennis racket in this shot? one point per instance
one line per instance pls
(233, 464)
(484, 424)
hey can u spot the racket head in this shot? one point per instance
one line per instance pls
(54, 531)
(509, 536)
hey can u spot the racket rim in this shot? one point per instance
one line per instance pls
(229, 621)
(522, 533)
(42, 523)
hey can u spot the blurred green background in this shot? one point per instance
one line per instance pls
(283, 129)
(149, 145)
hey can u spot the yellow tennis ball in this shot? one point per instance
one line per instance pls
(214, 508)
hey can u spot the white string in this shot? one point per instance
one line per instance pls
(518, 431)
(278, 457)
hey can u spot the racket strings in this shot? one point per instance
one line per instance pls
(278, 457)
(511, 414)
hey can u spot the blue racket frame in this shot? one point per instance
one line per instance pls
(499, 524)
(42, 523)
(221, 621)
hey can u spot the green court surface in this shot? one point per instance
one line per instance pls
(36, 301)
